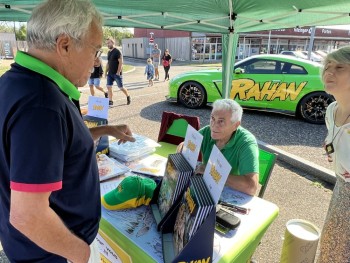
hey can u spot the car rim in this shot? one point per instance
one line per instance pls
(314, 108)
(191, 96)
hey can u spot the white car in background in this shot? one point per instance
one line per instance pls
(297, 54)
(314, 56)
(321, 53)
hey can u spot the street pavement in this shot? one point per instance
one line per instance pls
(296, 186)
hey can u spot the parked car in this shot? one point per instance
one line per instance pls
(297, 54)
(314, 56)
(273, 83)
(321, 53)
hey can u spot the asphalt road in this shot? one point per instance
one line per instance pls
(296, 193)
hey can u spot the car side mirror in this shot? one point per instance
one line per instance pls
(239, 71)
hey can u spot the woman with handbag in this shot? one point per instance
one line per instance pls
(166, 61)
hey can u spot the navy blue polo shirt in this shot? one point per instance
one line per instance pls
(45, 147)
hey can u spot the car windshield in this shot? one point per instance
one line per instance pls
(269, 66)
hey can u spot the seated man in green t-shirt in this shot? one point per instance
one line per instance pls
(237, 144)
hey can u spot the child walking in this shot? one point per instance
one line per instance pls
(149, 71)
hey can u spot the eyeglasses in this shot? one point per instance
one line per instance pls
(98, 50)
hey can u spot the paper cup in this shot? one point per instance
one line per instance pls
(300, 242)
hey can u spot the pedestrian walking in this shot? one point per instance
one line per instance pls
(166, 61)
(156, 52)
(149, 72)
(114, 71)
(95, 77)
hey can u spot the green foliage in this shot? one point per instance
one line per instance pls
(21, 33)
(117, 33)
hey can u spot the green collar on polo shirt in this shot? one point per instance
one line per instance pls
(34, 64)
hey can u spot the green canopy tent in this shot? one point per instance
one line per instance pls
(228, 17)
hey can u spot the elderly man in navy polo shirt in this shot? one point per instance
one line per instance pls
(49, 183)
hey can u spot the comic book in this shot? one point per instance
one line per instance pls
(175, 179)
(130, 151)
(187, 217)
(109, 168)
(153, 165)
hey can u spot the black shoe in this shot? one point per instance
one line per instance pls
(110, 102)
(106, 95)
(128, 100)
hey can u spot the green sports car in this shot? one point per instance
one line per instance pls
(275, 83)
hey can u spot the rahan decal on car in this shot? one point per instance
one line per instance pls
(245, 89)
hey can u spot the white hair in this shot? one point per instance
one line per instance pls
(53, 18)
(229, 105)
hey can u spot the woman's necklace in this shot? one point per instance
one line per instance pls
(329, 147)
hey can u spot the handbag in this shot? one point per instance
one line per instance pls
(165, 63)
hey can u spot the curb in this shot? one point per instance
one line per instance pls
(305, 165)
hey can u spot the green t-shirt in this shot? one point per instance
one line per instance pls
(241, 151)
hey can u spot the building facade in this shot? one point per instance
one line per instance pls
(187, 46)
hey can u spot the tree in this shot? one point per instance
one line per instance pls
(21, 33)
(117, 33)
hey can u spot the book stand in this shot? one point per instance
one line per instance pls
(198, 249)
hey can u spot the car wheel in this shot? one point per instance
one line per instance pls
(313, 107)
(192, 95)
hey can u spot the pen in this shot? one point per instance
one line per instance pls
(235, 208)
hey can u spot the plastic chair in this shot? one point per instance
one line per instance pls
(172, 131)
(266, 163)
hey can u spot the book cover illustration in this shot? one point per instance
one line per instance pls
(136, 224)
(216, 173)
(153, 165)
(187, 217)
(109, 168)
(175, 179)
(192, 146)
(167, 189)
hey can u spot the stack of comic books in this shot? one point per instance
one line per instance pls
(195, 217)
(130, 151)
(109, 168)
(195, 207)
(175, 181)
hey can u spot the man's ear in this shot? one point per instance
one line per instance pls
(63, 45)
(237, 123)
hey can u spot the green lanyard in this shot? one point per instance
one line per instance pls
(31, 63)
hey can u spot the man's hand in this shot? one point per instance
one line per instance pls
(122, 132)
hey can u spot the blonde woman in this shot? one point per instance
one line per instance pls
(335, 238)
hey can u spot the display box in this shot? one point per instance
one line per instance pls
(103, 144)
